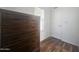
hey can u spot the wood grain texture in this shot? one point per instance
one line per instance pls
(56, 45)
(19, 32)
(0, 29)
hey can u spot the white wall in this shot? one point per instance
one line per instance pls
(47, 21)
(65, 24)
(46, 32)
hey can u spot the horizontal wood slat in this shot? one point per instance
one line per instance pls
(19, 32)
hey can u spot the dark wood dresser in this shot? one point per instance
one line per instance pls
(19, 32)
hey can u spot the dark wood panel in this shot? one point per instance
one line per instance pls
(19, 32)
(0, 29)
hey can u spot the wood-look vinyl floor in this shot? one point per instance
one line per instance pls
(55, 45)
